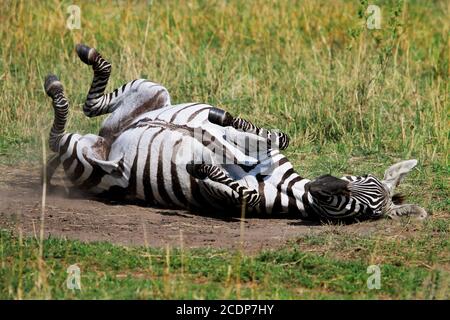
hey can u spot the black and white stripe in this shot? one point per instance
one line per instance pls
(193, 156)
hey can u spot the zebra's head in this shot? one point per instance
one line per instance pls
(392, 178)
(362, 197)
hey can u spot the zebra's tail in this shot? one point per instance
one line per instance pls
(54, 89)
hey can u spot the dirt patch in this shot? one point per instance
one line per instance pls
(90, 219)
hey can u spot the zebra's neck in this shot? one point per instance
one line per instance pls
(283, 190)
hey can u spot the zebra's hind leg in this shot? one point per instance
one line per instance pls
(124, 103)
(225, 119)
(216, 174)
(96, 102)
(55, 90)
(137, 96)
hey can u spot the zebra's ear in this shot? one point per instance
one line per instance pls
(395, 174)
(410, 210)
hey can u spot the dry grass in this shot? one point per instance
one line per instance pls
(310, 68)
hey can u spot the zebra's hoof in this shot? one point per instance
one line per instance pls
(220, 117)
(86, 54)
(52, 85)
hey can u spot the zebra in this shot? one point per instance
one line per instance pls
(199, 157)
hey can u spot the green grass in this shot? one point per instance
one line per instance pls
(109, 271)
(352, 100)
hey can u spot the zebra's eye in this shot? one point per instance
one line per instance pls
(328, 199)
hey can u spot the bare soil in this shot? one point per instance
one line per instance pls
(77, 216)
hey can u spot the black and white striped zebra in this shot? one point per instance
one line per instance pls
(197, 156)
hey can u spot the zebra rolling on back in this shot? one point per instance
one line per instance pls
(199, 157)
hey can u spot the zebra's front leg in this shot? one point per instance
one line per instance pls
(225, 119)
(216, 174)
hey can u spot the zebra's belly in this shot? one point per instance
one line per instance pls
(151, 170)
(154, 169)
(158, 146)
